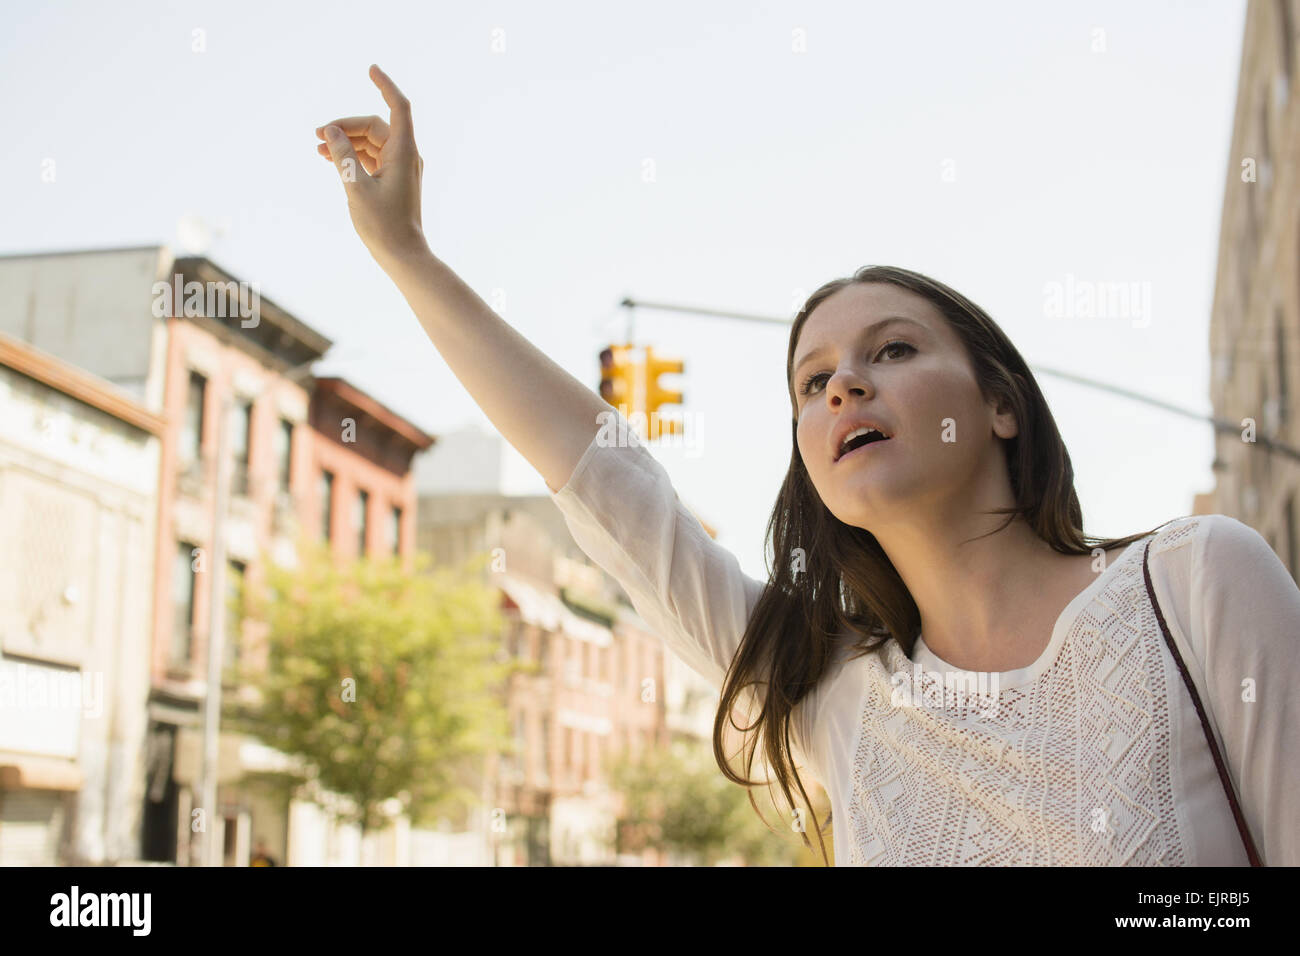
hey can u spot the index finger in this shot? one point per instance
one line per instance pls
(398, 104)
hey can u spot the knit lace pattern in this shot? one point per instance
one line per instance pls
(1072, 768)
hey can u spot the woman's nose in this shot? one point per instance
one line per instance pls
(846, 382)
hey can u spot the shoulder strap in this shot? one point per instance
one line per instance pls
(1200, 712)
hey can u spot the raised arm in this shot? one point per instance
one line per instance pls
(617, 499)
(539, 408)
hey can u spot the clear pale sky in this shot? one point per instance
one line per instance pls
(988, 145)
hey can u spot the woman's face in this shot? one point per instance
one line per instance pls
(912, 377)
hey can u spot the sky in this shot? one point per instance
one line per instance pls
(1006, 149)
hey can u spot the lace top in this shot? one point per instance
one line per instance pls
(1091, 755)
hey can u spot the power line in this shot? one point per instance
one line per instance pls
(1220, 425)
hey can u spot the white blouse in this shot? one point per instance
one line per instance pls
(1091, 755)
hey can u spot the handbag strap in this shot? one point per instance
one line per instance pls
(1200, 712)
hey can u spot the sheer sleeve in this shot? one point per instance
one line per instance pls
(1246, 628)
(623, 511)
(621, 508)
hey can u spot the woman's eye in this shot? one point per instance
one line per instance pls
(895, 345)
(807, 384)
(899, 344)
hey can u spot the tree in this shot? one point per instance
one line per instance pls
(677, 799)
(385, 682)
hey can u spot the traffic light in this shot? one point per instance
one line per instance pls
(618, 369)
(657, 395)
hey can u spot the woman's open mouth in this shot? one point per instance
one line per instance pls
(862, 447)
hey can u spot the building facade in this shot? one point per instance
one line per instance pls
(236, 383)
(602, 688)
(363, 486)
(1255, 324)
(360, 495)
(78, 502)
(223, 372)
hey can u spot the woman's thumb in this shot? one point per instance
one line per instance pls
(344, 156)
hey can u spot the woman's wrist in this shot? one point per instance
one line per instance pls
(400, 262)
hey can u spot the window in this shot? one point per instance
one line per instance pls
(545, 748)
(229, 839)
(1265, 171)
(571, 657)
(283, 448)
(240, 426)
(395, 530)
(326, 503)
(517, 758)
(1286, 35)
(234, 612)
(1292, 546)
(183, 603)
(359, 522)
(191, 444)
(1283, 387)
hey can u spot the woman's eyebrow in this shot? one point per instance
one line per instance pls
(866, 333)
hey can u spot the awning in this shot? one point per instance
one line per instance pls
(237, 755)
(548, 611)
(24, 772)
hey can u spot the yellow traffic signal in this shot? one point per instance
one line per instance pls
(657, 395)
(618, 370)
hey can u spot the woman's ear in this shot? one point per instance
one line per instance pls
(1004, 420)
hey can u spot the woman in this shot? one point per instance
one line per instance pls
(1042, 718)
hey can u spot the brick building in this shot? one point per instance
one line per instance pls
(1255, 324)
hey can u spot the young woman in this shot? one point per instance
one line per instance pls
(968, 689)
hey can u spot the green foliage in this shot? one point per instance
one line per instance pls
(385, 682)
(676, 798)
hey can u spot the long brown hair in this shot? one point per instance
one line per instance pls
(844, 582)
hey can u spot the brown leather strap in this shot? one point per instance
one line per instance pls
(1200, 712)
